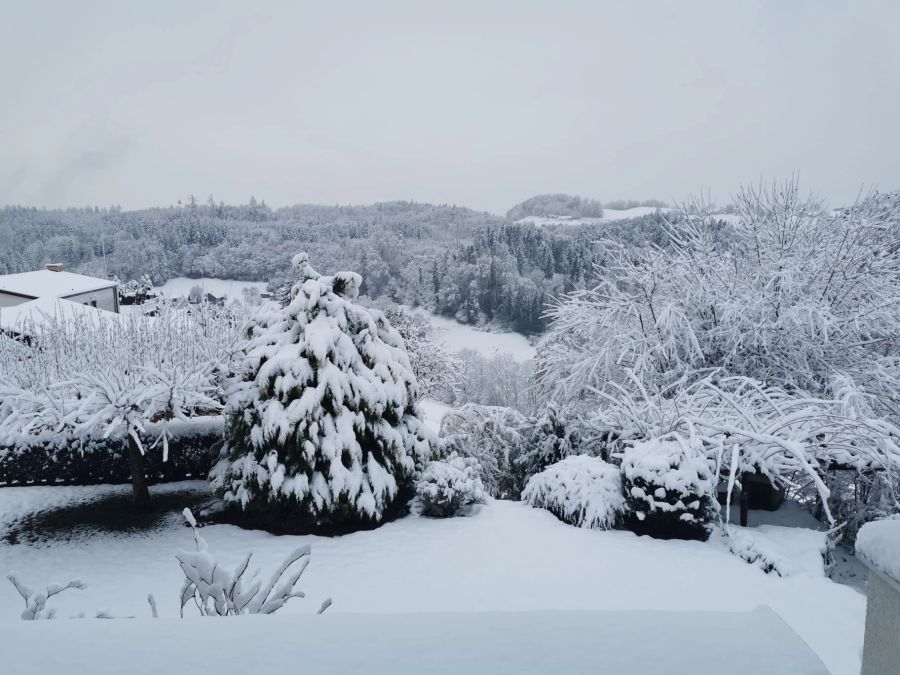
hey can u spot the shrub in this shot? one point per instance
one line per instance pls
(668, 489)
(447, 486)
(581, 490)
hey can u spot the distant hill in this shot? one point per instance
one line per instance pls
(556, 205)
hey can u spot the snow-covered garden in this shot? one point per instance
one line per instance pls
(704, 428)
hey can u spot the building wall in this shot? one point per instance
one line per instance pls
(7, 300)
(105, 299)
(881, 651)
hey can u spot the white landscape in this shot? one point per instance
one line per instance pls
(419, 338)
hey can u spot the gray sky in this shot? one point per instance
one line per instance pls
(475, 103)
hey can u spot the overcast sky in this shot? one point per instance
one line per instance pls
(475, 103)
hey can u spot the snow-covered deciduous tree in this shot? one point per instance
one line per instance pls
(88, 376)
(580, 490)
(324, 431)
(216, 591)
(494, 436)
(800, 302)
(446, 486)
(437, 371)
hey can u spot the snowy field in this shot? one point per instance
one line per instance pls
(458, 336)
(507, 557)
(181, 287)
(609, 216)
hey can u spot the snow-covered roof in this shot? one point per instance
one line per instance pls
(44, 283)
(42, 310)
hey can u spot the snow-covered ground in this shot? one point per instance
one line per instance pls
(458, 336)
(527, 643)
(507, 557)
(609, 216)
(181, 287)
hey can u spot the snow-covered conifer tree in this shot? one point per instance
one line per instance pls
(324, 431)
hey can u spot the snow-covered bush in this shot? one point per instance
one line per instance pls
(448, 485)
(494, 436)
(217, 591)
(324, 432)
(581, 490)
(669, 489)
(36, 601)
(552, 434)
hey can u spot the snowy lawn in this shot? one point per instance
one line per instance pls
(506, 557)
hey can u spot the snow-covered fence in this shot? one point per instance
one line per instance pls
(193, 447)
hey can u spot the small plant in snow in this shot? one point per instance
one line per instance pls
(36, 602)
(669, 489)
(220, 592)
(581, 490)
(447, 486)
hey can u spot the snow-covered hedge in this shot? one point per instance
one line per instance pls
(48, 457)
(669, 489)
(581, 490)
(324, 433)
(448, 485)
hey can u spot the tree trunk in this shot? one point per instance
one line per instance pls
(745, 498)
(138, 478)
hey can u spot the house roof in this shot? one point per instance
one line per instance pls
(43, 310)
(44, 283)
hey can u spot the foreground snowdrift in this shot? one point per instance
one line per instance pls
(506, 557)
(533, 643)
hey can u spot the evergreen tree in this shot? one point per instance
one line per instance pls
(324, 432)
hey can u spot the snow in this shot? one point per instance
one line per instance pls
(44, 283)
(609, 215)
(181, 287)
(878, 544)
(531, 643)
(458, 336)
(506, 557)
(434, 412)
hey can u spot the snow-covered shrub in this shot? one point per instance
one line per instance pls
(779, 550)
(36, 601)
(217, 591)
(669, 489)
(448, 485)
(494, 436)
(324, 432)
(581, 490)
(552, 434)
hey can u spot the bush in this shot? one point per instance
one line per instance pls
(447, 486)
(580, 490)
(668, 489)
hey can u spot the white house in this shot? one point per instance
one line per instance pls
(30, 295)
(16, 289)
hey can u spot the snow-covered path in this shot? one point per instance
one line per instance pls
(507, 557)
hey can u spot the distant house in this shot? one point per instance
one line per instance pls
(31, 295)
